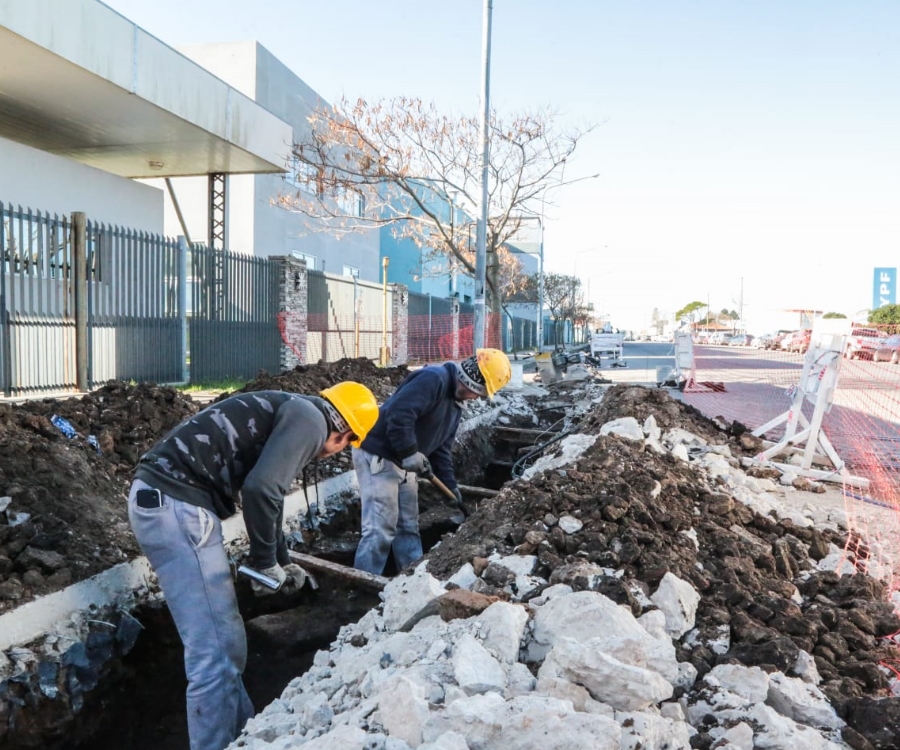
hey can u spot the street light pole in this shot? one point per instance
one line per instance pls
(481, 240)
(540, 310)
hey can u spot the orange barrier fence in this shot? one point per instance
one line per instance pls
(429, 338)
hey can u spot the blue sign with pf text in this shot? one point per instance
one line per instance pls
(885, 290)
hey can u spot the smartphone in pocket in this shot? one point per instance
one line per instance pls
(148, 499)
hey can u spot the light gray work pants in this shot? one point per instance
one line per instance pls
(184, 544)
(390, 513)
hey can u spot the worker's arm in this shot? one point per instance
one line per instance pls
(442, 462)
(419, 396)
(297, 437)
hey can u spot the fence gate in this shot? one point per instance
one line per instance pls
(346, 318)
(233, 305)
(518, 334)
(37, 312)
(134, 309)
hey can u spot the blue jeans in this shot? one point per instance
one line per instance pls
(183, 543)
(390, 513)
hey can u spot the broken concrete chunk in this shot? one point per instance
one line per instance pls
(475, 670)
(678, 600)
(623, 686)
(404, 596)
(624, 427)
(570, 524)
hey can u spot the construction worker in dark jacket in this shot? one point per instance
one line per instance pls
(252, 446)
(414, 437)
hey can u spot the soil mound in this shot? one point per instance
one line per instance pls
(310, 379)
(66, 518)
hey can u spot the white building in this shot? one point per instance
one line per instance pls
(89, 103)
(254, 224)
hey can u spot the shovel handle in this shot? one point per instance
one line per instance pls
(448, 493)
(442, 488)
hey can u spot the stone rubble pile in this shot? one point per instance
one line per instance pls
(555, 665)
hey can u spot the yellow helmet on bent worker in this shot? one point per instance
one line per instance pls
(356, 404)
(495, 368)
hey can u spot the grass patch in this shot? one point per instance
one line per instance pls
(223, 386)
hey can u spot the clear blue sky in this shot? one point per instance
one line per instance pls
(742, 145)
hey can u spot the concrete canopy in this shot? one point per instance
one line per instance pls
(80, 81)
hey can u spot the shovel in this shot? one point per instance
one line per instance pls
(446, 492)
(443, 489)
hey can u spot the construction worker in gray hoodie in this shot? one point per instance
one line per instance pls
(250, 446)
(414, 437)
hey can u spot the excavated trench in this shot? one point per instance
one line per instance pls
(126, 684)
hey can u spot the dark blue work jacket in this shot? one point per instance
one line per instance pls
(421, 415)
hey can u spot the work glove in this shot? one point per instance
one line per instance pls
(276, 573)
(296, 579)
(417, 463)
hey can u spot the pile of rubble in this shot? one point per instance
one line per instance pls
(643, 592)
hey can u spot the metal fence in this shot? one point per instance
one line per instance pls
(232, 307)
(134, 306)
(36, 301)
(519, 334)
(82, 303)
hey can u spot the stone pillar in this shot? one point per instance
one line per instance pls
(399, 324)
(454, 326)
(293, 295)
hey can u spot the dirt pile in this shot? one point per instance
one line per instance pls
(66, 517)
(310, 379)
(647, 514)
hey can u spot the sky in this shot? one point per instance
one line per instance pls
(748, 152)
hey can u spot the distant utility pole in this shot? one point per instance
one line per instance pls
(481, 238)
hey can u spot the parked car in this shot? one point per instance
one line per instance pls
(797, 341)
(719, 338)
(773, 340)
(889, 351)
(741, 339)
(862, 343)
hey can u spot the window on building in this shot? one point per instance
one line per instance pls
(301, 175)
(311, 260)
(348, 202)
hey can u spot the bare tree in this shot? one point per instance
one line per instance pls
(401, 162)
(562, 295)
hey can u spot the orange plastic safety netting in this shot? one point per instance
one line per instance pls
(434, 338)
(428, 338)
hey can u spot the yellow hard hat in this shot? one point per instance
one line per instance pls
(356, 404)
(494, 365)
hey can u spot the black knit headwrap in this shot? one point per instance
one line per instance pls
(470, 376)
